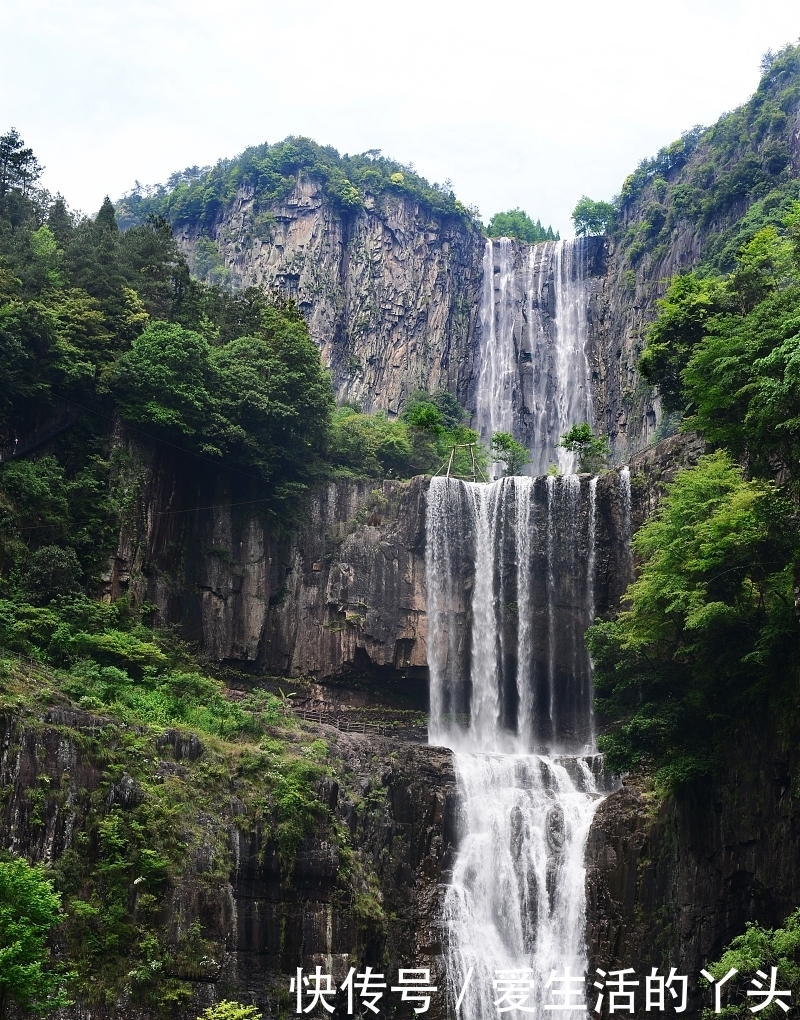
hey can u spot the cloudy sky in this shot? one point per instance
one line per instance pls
(518, 102)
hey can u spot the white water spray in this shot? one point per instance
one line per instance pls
(533, 367)
(510, 674)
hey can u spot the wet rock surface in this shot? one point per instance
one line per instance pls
(671, 883)
(396, 800)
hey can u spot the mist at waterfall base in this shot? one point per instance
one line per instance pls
(510, 592)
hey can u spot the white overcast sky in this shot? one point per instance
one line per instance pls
(519, 102)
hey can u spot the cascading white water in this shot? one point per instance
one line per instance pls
(498, 380)
(516, 900)
(510, 674)
(533, 369)
(627, 523)
(573, 394)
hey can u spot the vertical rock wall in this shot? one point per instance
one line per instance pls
(343, 595)
(390, 294)
(671, 882)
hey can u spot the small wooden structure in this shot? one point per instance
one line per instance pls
(475, 469)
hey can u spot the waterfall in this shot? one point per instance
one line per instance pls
(627, 523)
(510, 570)
(533, 369)
(516, 900)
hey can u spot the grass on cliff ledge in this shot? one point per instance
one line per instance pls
(151, 832)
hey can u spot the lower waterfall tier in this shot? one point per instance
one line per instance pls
(517, 902)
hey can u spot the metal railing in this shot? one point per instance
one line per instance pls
(33, 667)
(70, 414)
(24, 662)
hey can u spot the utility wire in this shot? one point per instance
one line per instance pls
(164, 442)
(157, 513)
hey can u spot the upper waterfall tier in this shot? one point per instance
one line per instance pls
(532, 370)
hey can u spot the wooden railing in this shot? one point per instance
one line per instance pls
(351, 725)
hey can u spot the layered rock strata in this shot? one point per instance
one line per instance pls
(395, 801)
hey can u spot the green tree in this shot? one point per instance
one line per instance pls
(685, 312)
(51, 571)
(755, 949)
(370, 444)
(29, 911)
(742, 381)
(228, 1010)
(19, 168)
(273, 396)
(590, 217)
(592, 451)
(708, 634)
(164, 380)
(505, 448)
(517, 223)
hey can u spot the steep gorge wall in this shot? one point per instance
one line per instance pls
(395, 801)
(342, 599)
(671, 882)
(390, 293)
(343, 595)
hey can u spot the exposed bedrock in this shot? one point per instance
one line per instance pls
(396, 800)
(396, 296)
(390, 294)
(671, 883)
(342, 598)
(344, 595)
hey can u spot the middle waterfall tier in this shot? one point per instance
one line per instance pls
(512, 572)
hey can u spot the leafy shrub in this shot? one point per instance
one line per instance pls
(517, 223)
(592, 451)
(50, 571)
(29, 910)
(708, 635)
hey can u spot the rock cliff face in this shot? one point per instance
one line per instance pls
(671, 883)
(343, 596)
(390, 295)
(396, 801)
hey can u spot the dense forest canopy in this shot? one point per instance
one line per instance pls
(199, 195)
(518, 224)
(112, 322)
(727, 181)
(709, 637)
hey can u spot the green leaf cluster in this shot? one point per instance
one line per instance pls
(269, 173)
(592, 451)
(419, 441)
(229, 1010)
(592, 217)
(509, 452)
(755, 949)
(725, 351)
(709, 635)
(518, 224)
(29, 911)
